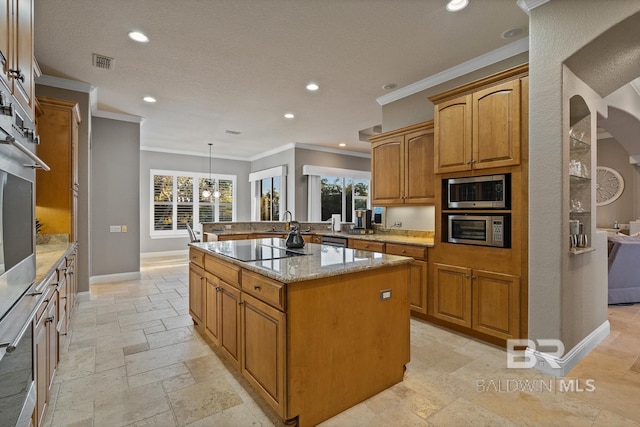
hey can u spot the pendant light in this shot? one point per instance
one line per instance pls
(207, 191)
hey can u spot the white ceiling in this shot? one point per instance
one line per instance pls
(239, 65)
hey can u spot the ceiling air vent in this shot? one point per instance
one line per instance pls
(104, 62)
(232, 132)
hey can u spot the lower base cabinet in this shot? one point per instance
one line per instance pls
(293, 363)
(263, 331)
(229, 322)
(485, 301)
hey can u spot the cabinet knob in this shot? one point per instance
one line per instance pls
(17, 74)
(473, 160)
(256, 287)
(366, 246)
(241, 303)
(218, 288)
(404, 251)
(473, 277)
(466, 275)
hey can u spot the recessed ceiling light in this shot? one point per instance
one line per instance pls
(342, 144)
(456, 5)
(313, 87)
(289, 116)
(512, 32)
(149, 99)
(138, 36)
(390, 86)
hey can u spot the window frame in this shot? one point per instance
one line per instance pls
(314, 176)
(196, 176)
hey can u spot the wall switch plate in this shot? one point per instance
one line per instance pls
(124, 228)
(115, 229)
(385, 294)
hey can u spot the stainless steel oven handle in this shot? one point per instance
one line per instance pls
(11, 346)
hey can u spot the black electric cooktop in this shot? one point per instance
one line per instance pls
(257, 250)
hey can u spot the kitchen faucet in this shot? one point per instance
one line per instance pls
(287, 226)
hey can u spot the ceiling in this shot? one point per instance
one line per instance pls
(240, 65)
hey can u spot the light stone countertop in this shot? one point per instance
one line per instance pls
(320, 260)
(410, 237)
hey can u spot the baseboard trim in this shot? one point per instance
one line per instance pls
(118, 277)
(181, 252)
(560, 366)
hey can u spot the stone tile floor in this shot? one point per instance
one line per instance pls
(133, 358)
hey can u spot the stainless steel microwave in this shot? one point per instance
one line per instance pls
(479, 192)
(484, 230)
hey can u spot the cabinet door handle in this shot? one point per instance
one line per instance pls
(241, 303)
(49, 319)
(256, 287)
(473, 277)
(17, 74)
(466, 275)
(473, 160)
(218, 289)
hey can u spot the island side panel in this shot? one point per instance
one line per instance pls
(345, 344)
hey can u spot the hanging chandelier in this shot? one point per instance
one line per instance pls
(211, 186)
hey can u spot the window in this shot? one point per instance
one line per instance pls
(268, 194)
(173, 203)
(333, 190)
(270, 199)
(342, 195)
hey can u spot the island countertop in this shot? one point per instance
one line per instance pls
(318, 261)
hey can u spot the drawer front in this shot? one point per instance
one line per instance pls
(49, 292)
(196, 257)
(417, 252)
(367, 245)
(264, 289)
(227, 272)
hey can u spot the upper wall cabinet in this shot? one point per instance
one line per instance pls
(481, 128)
(16, 52)
(402, 166)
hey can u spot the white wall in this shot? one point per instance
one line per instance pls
(179, 162)
(557, 30)
(115, 201)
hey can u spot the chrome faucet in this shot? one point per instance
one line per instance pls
(287, 226)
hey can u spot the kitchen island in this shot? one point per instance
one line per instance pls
(314, 330)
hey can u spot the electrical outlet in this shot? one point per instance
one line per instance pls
(124, 228)
(397, 224)
(115, 229)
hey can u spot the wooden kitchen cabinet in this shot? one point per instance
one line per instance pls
(366, 245)
(229, 315)
(45, 347)
(418, 273)
(479, 130)
(197, 292)
(263, 332)
(496, 304)
(402, 166)
(452, 294)
(16, 52)
(485, 301)
(212, 308)
(57, 189)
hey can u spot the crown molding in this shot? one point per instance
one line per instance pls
(529, 5)
(117, 116)
(497, 55)
(61, 83)
(190, 153)
(332, 150)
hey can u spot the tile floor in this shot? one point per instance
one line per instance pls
(133, 358)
